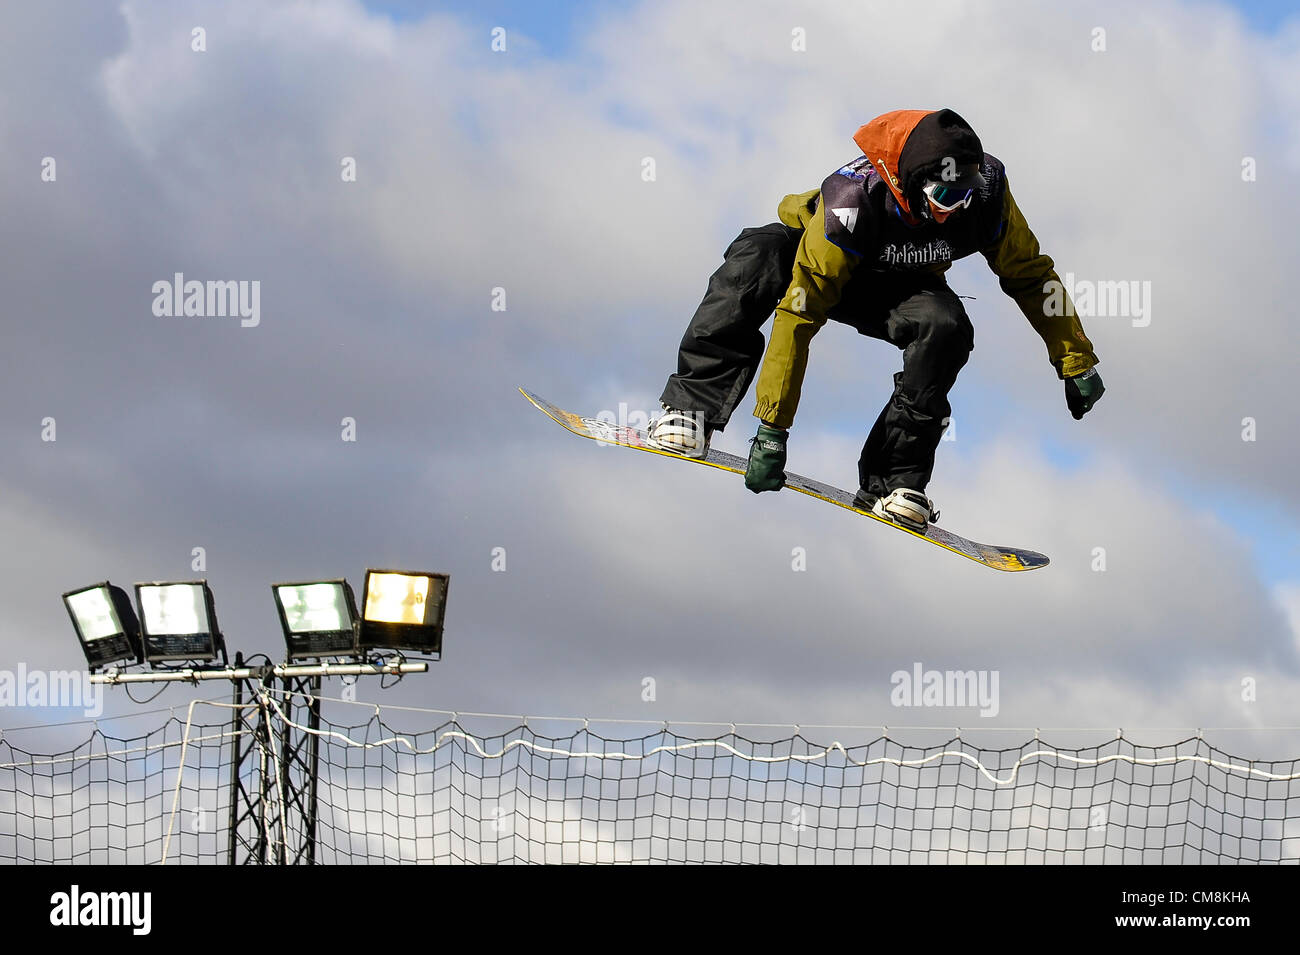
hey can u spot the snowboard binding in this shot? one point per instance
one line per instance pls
(903, 506)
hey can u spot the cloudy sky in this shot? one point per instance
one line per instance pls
(521, 169)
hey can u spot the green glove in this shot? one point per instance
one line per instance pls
(766, 471)
(1083, 391)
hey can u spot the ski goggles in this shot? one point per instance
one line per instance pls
(946, 197)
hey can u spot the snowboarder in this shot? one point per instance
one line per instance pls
(869, 249)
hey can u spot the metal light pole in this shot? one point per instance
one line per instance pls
(294, 793)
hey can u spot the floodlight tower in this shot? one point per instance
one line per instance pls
(176, 634)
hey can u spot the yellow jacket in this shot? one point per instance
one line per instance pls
(822, 269)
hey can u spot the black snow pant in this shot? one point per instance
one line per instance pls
(916, 311)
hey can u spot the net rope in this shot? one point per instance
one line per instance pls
(461, 791)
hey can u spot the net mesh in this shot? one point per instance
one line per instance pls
(451, 793)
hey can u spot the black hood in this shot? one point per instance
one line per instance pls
(938, 137)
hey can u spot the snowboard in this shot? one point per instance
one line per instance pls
(990, 555)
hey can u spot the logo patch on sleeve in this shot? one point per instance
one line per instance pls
(856, 170)
(848, 217)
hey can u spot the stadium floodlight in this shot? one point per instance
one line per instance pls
(319, 618)
(404, 610)
(105, 623)
(178, 621)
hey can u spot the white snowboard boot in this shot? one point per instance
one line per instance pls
(911, 509)
(679, 432)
